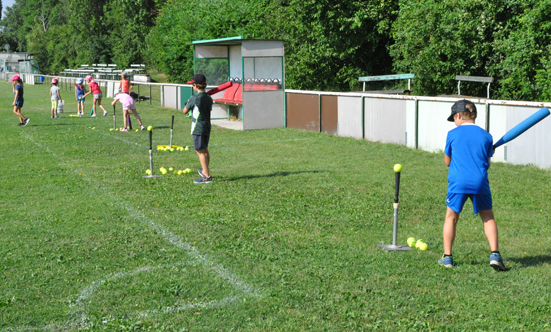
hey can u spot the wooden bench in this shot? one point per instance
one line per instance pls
(480, 79)
(388, 78)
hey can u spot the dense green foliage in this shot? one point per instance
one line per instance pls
(328, 45)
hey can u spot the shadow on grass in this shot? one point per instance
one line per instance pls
(531, 260)
(52, 124)
(271, 175)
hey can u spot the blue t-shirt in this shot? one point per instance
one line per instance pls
(80, 91)
(470, 148)
(19, 88)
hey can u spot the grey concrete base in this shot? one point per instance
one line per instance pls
(235, 125)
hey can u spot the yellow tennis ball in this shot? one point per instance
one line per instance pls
(397, 168)
(149, 128)
(423, 246)
(411, 242)
(419, 243)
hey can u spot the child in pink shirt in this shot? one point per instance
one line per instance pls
(127, 106)
(94, 88)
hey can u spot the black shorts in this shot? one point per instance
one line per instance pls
(201, 142)
(19, 102)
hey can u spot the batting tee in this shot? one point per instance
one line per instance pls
(257, 70)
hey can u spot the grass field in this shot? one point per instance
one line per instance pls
(282, 240)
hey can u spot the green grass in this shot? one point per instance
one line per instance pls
(282, 240)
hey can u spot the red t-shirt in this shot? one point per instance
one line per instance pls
(94, 87)
(125, 86)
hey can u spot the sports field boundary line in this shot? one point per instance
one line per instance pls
(172, 238)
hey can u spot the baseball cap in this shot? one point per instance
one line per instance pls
(198, 79)
(461, 106)
(15, 78)
(54, 80)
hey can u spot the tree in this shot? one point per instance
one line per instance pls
(437, 40)
(330, 44)
(182, 21)
(523, 55)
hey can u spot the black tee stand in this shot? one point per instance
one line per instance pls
(394, 246)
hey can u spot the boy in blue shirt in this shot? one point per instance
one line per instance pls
(467, 154)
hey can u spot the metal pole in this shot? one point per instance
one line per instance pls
(151, 175)
(171, 127)
(394, 246)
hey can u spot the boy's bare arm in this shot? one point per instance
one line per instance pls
(447, 160)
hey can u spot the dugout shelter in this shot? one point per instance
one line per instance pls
(256, 68)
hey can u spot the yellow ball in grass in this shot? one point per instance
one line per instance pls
(149, 128)
(397, 168)
(179, 172)
(186, 148)
(137, 130)
(111, 129)
(419, 243)
(171, 169)
(423, 246)
(148, 171)
(411, 242)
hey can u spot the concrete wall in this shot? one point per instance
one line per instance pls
(421, 122)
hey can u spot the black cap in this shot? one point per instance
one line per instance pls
(461, 106)
(198, 79)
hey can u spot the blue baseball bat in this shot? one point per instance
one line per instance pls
(523, 126)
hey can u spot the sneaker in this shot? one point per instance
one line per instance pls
(142, 127)
(93, 116)
(56, 117)
(20, 124)
(446, 261)
(26, 122)
(124, 129)
(203, 180)
(200, 171)
(104, 113)
(497, 262)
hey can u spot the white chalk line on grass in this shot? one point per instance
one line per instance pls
(175, 240)
(89, 291)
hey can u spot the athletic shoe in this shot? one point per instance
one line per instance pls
(26, 122)
(142, 127)
(446, 261)
(497, 262)
(203, 180)
(93, 116)
(200, 171)
(20, 124)
(124, 129)
(104, 113)
(56, 117)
